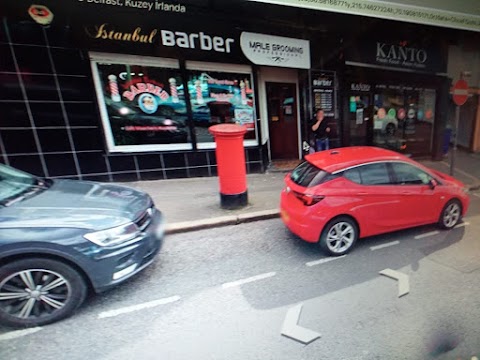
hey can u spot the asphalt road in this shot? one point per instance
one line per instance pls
(224, 293)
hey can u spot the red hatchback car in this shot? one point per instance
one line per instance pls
(337, 196)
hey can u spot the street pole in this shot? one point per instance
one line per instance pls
(455, 131)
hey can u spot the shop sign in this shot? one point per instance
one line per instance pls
(323, 91)
(108, 32)
(401, 54)
(360, 87)
(168, 38)
(262, 49)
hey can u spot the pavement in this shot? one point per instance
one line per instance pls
(194, 203)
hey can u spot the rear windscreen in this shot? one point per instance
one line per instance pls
(308, 175)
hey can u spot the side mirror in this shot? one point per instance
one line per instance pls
(433, 184)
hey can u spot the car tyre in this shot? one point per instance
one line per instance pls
(451, 215)
(38, 291)
(339, 236)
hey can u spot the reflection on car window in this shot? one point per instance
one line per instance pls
(308, 175)
(371, 174)
(406, 174)
(13, 182)
(353, 175)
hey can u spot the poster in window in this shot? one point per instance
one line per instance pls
(221, 97)
(144, 104)
(359, 117)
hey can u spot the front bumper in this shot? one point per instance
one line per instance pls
(107, 267)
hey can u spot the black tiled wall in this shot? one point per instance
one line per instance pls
(49, 121)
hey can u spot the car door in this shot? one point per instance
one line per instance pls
(420, 202)
(376, 201)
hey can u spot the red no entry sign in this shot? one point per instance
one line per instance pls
(460, 92)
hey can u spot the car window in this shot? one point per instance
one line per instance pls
(370, 174)
(308, 175)
(406, 174)
(353, 175)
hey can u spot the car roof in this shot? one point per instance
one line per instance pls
(341, 158)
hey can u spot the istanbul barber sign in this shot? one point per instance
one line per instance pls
(262, 49)
(400, 54)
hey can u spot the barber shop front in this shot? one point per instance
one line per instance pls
(104, 90)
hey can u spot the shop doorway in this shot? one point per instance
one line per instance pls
(282, 120)
(360, 119)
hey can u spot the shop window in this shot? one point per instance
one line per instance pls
(221, 94)
(403, 118)
(141, 104)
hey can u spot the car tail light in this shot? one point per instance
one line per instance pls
(309, 199)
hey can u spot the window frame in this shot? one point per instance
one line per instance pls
(191, 65)
(118, 59)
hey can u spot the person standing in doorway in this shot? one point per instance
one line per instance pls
(321, 130)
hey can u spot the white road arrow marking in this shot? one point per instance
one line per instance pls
(403, 283)
(291, 329)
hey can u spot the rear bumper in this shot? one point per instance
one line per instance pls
(301, 230)
(304, 221)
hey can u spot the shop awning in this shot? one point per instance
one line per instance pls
(458, 14)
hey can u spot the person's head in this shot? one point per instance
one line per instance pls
(319, 114)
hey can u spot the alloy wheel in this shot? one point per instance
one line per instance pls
(451, 215)
(340, 237)
(34, 293)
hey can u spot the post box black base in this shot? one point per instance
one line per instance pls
(235, 201)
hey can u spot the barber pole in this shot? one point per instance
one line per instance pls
(173, 89)
(198, 85)
(112, 83)
(244, 93)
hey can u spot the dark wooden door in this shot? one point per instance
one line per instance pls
(282, 120)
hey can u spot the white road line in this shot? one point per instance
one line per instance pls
(129, 309)
(431, 233)
(378, 247)
(248, 280)
(323, 261)
(477, 195)
(462, 224)
(18, 333)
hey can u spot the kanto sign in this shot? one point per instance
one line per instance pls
(460, 92)
(401, 55)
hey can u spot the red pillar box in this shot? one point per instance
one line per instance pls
(231, 164)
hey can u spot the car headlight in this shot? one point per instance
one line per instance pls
(114, 236)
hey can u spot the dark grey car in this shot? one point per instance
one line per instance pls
(61, 238)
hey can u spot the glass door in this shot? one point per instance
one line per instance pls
(360, 119)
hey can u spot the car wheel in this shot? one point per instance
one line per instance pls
(39, 291)
(451, 215)
(390, 129)
(339, 236)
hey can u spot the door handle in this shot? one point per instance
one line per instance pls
(362, 193)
